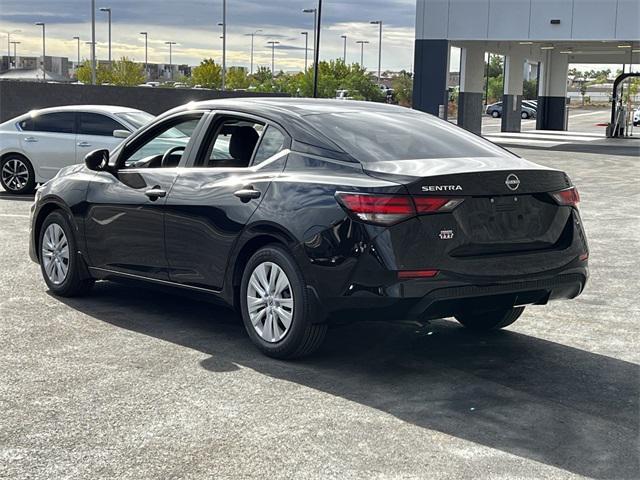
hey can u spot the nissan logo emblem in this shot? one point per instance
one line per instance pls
(512, 182)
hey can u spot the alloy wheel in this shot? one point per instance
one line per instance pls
(15, 174)
(270, 302)
(55, 254)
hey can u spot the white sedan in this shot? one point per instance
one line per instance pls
(34, 146)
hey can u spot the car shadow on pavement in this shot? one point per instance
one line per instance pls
(536, 399)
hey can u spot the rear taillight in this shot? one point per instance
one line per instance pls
(569, 197)
(392, 209)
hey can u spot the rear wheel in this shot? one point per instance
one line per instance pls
(59, 259)
(495, 114)
(276, 310)
(17, 175)
(493, 320)
(524, 115)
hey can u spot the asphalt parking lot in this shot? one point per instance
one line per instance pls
(136, 383)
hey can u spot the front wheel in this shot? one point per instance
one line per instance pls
(276, 309)
(59, 258)
(525, 115)
(17, 175)
(493, 320)
(495, 114)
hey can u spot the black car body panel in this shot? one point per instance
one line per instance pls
(500, 246)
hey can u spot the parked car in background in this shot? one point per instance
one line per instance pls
(301, 212)
(531, 104)
(34, 146)
(495, 110)
(636, 117)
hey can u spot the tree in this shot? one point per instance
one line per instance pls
(530, 89)
(583, 90)
(496, 89)
(237, 78)
(403, 88)
(208, 74)
(83, 73)
(127, 73)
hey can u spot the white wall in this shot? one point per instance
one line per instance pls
(528, 19)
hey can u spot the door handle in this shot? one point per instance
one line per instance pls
(247, 194)
(155, 193)
(30, 139)
(84, 144)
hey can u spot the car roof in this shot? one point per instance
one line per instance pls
(86, 108)
(290, 113)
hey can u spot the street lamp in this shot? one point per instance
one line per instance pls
(224, 41)
(93, 42)
(306, 48)
(171, 44)
(379, 22)
(315, 21)
(273, 44)
(15, 56)
(252, 35)
(362, 44)
(44, 72)
(77, 39)
(344, 58)
(108, 10)
(9, 41)
(316, 43)
(146, 58)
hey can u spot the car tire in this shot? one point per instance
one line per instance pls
(495, 114)
(524, 115)
(486, 321)
(17, 175)
(61, 267)
(277, 301)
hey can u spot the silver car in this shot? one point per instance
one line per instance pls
(34, 146)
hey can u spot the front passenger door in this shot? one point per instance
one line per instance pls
(124, 226)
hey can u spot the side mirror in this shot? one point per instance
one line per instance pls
(121, 133)
(98, 160)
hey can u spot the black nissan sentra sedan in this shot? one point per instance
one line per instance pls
(300, 213)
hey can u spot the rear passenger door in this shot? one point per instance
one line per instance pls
(49, 141)
(95, 131)
(213, 198)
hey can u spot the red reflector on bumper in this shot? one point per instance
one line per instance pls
(406, 274)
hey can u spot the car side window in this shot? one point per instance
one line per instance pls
(272, 142)
(97, 124)
(61, 122)
(170, 138)
(231, 145)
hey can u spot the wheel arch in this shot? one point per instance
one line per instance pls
(254, 239)
(44, 211)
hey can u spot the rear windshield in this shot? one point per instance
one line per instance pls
(383, 136)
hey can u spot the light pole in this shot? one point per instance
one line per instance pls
(379, 22)
(44, 72)
(316, 43)
(108, 10)
(15, 55)
(273, 44)
(146, 58)
(252, 35)
(77, 39)
(9, 41)
(344, 58)
(306, 48)
(93, 42)
(315, 21)
(362, 44)
(224, 41)
(171, 44)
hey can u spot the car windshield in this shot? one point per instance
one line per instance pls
(382, 136)
(136, 119)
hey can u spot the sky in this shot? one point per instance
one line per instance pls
(193, 25)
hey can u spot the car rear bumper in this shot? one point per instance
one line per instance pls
(447, 294)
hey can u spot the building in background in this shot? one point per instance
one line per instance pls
(551, 34)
